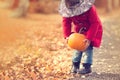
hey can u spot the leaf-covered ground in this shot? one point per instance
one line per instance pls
(33, 48)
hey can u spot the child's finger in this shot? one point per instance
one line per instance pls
(67, 39)
(87, 43)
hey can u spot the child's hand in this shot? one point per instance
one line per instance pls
(67, 39)
(87, 43)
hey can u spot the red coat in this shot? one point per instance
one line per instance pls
(90, 21)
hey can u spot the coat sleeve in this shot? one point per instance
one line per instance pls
(94, 22)
(66, 24)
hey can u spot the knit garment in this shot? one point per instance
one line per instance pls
(70, 8)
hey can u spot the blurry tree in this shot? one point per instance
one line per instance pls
(108, 5)
(15, 3)
(20, 8)
(33, 6)
(116, 3)
(112, 4)
(44, 6)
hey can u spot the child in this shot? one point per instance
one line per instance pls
(83, 15)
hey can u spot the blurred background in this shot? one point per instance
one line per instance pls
(51, 6)
(32, 45)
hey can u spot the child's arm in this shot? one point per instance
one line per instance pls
(94, 24)
(66, 24)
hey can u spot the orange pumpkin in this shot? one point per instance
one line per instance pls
(76, 41)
